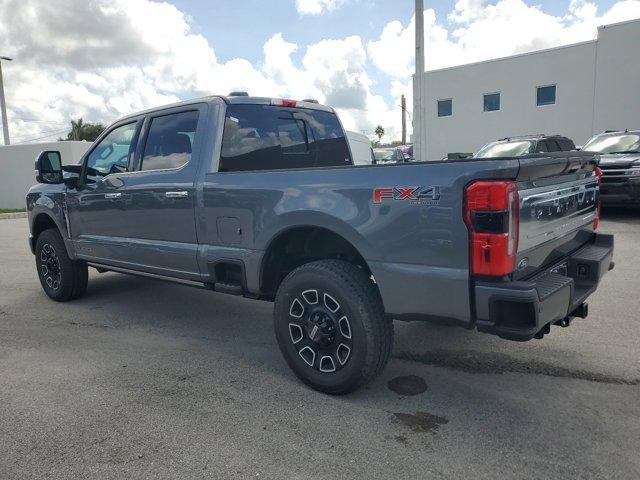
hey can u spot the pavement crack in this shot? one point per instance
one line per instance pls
(469, 361)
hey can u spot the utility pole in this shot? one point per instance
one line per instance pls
(404, 120)
(419, 123)
(3, 106)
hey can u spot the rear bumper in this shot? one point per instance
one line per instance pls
(519, 310)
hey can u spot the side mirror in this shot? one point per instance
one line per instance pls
(49, 167)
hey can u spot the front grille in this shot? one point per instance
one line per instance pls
(615, 175)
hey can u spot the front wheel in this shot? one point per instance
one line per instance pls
(62, 279)
(330, 326)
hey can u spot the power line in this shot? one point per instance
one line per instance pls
(40, 133)
(50, 134)
(408, 112)
(33, 120)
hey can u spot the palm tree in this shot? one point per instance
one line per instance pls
(379, 132)
(84, 131)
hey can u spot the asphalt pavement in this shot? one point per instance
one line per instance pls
(145, 379)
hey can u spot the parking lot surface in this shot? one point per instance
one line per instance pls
(143, 379)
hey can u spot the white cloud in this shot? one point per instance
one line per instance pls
(490, 30)
(487, 30)
(317, 7)
(102, 59)
(88, 68)
(466, 10)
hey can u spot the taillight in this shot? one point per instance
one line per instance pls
(492, 216)
(596, 221)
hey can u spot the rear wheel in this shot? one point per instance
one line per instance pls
(330, 326)
(62, 279)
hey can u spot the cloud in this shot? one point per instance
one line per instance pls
(317, 7)
(483, 30)
(106, 58)
(103, 59)
(486, 30)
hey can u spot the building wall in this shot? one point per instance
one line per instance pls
(617, 99)
(596, 89)
(17, 167)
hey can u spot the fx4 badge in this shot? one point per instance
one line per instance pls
(414, 195)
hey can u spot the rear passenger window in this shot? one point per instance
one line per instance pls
(170, 141)
(262, 137)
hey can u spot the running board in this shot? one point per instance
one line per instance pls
(228, 288)
(108, 268)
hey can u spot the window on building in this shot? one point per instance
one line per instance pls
(491, 102)
(546, 95)
(169, 142)
(445, 108)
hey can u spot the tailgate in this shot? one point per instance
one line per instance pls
(557, 212)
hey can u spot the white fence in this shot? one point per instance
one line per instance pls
(17, 167)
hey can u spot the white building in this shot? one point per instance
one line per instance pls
(575, 90)
(17, 167)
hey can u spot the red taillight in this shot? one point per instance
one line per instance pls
(284, 102)
(596, 221)
(492, 216)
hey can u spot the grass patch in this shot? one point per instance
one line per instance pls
(12, 210)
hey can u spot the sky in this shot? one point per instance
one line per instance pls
(102, 59)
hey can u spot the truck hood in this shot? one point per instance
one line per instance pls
(621, 160)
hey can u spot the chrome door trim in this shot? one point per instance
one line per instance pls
(181, 194)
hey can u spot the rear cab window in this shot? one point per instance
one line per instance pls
(265, 137)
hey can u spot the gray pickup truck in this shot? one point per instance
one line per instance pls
(259, 197)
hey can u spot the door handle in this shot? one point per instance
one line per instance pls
(112, 196)
(182, 194)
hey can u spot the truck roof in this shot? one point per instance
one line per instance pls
(236, 100)
(539, 136)
(619, 132)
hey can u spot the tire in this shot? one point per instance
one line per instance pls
(62, 279)
(310, 309)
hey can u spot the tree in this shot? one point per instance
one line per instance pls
(379, 132)
(84, 131)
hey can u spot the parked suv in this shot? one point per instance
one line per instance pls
(620, 163)
(526, 145)
(259, 197)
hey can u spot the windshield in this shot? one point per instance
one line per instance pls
(385, 155)
(504, 149)
(623, 143)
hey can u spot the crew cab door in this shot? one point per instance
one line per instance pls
(161, 194)
(96, 208)
(141, 216)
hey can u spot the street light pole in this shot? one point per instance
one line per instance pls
(3, 106)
